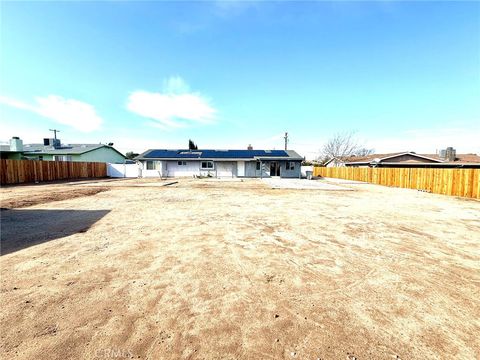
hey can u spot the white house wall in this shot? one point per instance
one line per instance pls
(171, 168)
(152, 173)
(174, 170)
(251, 169)
(225, 169)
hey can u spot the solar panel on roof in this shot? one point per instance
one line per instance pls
(214, 154)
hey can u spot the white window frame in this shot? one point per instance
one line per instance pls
(181, 163)
(208, 167)
(290, 165)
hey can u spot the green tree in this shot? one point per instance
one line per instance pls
(192, 145)
(130, 155)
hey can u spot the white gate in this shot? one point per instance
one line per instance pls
(122, 170)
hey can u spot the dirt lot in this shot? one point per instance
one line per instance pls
(236, 270)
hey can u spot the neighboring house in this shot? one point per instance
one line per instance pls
(220, 163)
(53, 150)
(445, 159)
(13, 151)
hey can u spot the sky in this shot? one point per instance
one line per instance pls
(404, 76)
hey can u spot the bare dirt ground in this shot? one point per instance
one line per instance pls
(205, 269)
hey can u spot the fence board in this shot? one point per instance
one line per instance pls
(26, 171)
(454, 182)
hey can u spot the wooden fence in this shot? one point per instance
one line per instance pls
(26, 171)
(456, 182)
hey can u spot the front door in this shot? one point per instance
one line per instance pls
(274, 168)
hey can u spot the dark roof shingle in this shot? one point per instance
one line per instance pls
(460, 158)
(217, 154)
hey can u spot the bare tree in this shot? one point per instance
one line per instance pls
(342, 146)
(363, 152)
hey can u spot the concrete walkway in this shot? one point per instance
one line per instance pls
(342, 181)
(279, 183)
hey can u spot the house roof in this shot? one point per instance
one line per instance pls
(70, 149)
(219, 154)
(460, 158)
(6, 148)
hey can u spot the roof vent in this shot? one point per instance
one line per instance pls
(450, 154)
(189, 152)
(53, 143)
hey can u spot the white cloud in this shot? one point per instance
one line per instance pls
(176, 107)
(15, 103)
(79, 115)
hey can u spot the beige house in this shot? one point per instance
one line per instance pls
(444, 159)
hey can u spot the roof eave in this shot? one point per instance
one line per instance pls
(220, 159)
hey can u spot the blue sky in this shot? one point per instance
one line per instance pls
(405, 76)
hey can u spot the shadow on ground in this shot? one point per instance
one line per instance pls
(24, 228)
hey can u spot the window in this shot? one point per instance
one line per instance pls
(181, 163)
(290, 165)
(153, 165)
(62, 158)
(258, 165)
(207, 164)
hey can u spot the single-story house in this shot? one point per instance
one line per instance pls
(53, 150)
(444, 159)
(220, 163)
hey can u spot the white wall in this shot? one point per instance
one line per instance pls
(175, 170)
(304, 170)
(241, 168)
(226, 168)
(122, 170)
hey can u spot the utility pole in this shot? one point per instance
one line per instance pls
(54, 133)
(286, 140)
